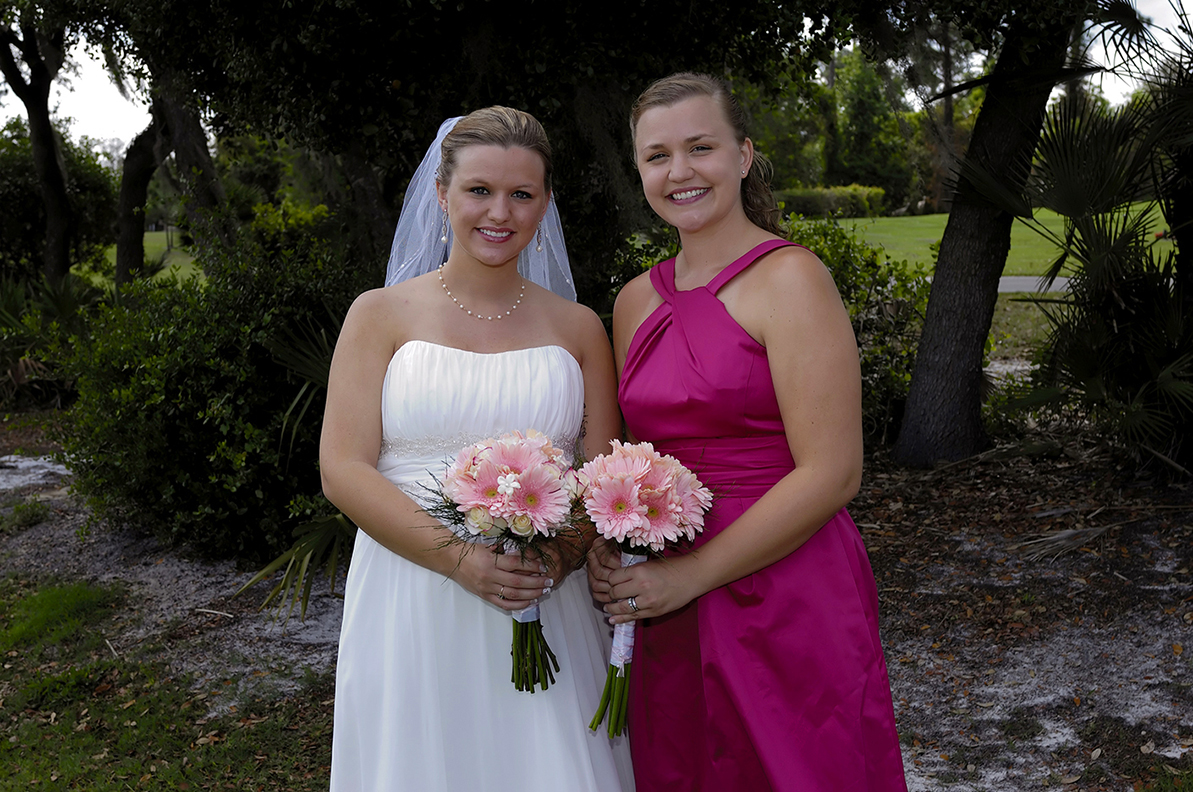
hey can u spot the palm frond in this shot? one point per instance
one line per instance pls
(319, 543)
(306, 351)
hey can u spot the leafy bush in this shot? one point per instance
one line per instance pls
(1121, 346)
(36, 317)
(851, 201)
(181, 404)
(1124, 355)
(886, 301)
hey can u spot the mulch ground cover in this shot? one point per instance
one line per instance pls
(1015, 664)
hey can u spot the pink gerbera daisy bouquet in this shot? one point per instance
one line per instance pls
(645, 502)
(515, 491)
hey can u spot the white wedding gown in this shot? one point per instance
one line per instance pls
(424, 699)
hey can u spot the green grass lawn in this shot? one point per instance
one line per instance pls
(177, 260)
(75, 714)
(910, 238)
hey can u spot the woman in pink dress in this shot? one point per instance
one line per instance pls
(758, 664)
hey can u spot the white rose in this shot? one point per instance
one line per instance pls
(521, 525)
(497, 527)
(478, 520)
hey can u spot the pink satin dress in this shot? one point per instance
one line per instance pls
(776, 681)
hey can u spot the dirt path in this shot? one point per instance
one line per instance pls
(1008, 674)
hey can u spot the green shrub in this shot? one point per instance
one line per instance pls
(1123, 353)
(886, 302)
(181, 404)
(851, 201)
(36, 317)
(25, 515)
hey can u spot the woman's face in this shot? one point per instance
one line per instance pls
(495, 201)
(690, 162)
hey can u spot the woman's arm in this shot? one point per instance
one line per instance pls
(602, 418)
(348, 451)
(635, 302)
(791, 305)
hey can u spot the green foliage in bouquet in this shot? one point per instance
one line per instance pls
(182, 401)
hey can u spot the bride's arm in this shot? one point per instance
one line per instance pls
(602, 418)
(792, 306)
(348, 451)
(634, 304)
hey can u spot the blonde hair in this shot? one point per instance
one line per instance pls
(495, 126)
(757, 199)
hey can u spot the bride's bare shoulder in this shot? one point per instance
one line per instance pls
(401, 303)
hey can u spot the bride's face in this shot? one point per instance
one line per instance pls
(495, 201)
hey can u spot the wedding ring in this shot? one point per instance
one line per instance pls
(633, 605)
(501, 594)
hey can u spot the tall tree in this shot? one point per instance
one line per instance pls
(370, 83)
(144, 156)
(872, 148)
(943, 415)
(33, 47)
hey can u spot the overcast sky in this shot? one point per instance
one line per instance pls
(97, 110)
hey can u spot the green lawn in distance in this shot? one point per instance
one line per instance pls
(909, 238)
(155, 245)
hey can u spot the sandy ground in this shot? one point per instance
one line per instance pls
(1007, 674)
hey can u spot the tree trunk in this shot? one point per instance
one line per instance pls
(206, 202)
(942, 420)
(43, 57)
(1180, 223)
(146, 154)
(944, 196)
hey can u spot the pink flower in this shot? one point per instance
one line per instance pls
(542, 497)
(614, 507)
(480, 489)
(516, 455)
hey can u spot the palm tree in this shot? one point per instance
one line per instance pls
(1121, 342)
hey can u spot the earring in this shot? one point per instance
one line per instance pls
(443, 234)
(539, 246)
(743, 173)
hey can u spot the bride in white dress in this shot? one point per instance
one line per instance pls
(469, 350)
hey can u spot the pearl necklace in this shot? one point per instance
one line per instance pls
(460, 305)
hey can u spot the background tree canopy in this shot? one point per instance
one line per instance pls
(91, 191)
(369, 84)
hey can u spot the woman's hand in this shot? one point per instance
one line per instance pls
(562, 556)
(507, 581)
(656, 587)
(603, 560)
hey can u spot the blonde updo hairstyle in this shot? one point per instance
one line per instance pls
(756, 196)
(495, 126)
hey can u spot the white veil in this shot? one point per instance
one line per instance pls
(418, 249)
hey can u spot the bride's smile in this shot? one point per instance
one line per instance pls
(494, 202)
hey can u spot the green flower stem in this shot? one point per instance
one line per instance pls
(605, 696)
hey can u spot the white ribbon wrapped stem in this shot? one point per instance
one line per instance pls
(529, 613)
(623, 634)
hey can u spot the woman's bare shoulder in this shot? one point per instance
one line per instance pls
(793, 273)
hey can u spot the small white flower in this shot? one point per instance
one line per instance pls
(508, 483)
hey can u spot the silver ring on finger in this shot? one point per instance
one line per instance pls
(633, 605)
(501, 593)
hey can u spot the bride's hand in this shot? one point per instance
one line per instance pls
(507, 581)
(603, 560)
(562, 556)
